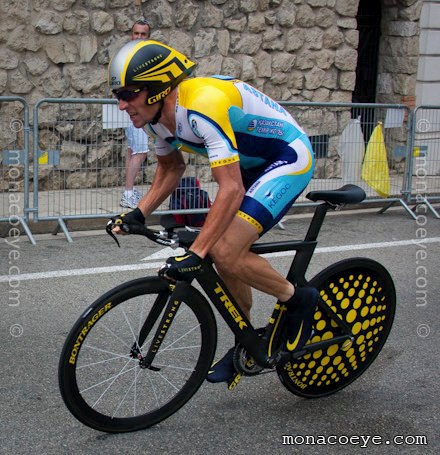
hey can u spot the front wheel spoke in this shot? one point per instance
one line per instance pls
(173, 367)
(102, 325)
(131, 329)
(153, 387)
(111, 378)
(169, 382)
(133, 383)
(115, 357)
(166, 348)
(115, 354)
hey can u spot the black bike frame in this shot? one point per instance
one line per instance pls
(259, 347)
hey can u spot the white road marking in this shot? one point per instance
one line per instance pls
(157, 265)
(165, 253)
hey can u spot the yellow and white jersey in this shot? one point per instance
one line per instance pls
(227, 120)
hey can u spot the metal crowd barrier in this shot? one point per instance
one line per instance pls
(425, 165)
(14, 164)
(341, 133)
(79, 148)
(80, 145)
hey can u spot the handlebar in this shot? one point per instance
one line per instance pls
(167, 237)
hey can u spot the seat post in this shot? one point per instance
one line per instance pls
(317, 220)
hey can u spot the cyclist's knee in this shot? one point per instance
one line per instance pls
(226, 260)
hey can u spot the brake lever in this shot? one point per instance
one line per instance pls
(162, 272)
(109, 230)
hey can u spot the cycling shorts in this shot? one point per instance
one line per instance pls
(271, 191)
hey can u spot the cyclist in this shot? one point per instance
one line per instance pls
(260, 157)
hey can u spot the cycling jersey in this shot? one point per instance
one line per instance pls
(229, 121)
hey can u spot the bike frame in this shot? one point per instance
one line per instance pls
(261, 348)
(264, 349)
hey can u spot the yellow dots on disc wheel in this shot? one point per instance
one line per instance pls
(345, 303)
(357, 303)
(317, 354)
(332, 350)
(364, 311)
(320, 326)
(351, 316)
(360, 340)
(325, 361)
(356, 328)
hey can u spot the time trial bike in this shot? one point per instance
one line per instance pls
(141, 351)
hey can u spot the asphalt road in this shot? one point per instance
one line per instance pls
(397, 396)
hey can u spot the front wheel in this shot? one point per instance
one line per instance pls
(103, 377)
(360, 294)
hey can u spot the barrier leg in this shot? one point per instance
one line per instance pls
(429, 205)
(27, 231)
(63, 227)
(404, 205)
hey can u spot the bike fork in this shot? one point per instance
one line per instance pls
(168, 316)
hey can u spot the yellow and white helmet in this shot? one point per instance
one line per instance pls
(149, 64)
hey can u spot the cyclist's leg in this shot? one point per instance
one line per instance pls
(242, 269)
(269, 196)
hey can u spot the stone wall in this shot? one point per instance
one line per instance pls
(399, 51)
(293, 50)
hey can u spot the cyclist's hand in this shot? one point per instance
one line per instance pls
(182, 268)
(128, 223)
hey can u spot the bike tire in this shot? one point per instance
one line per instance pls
(102, 384)
(362, 293)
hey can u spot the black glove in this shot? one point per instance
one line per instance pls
(132, 222)
(183, 268)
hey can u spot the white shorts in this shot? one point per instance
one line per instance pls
(137, 139)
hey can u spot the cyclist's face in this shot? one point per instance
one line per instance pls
(133, 101)
(140, 31)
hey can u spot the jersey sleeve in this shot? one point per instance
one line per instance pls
(161, 146)
(207, 111)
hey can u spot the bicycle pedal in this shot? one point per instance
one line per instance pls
(232, 383)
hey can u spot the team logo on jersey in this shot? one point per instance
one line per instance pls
(179, 128)
(252, 125)
(194, 127)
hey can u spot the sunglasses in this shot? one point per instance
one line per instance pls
(127, 95)
(142, 22)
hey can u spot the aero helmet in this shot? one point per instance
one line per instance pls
(150, 64)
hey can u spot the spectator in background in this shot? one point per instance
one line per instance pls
(137, 139)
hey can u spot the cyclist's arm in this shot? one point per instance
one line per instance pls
(169, 171)
(226, 204)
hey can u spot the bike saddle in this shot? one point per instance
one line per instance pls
(348, 194)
